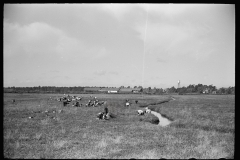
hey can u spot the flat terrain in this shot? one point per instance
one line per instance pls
(202, 127)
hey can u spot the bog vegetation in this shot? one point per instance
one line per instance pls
(202, 127)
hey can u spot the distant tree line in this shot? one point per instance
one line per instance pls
(201, 89)
(191, 89)
(44, 89)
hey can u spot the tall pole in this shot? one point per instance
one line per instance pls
(144, 50)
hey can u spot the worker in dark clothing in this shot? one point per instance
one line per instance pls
(106, 113)
(103, 115)
(65, 103)
(106, 110)
(100, 115)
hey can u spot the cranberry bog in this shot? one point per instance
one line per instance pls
(202, 127)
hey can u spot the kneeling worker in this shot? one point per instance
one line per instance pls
(104, 115)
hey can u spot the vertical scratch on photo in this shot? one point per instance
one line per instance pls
(144, 50)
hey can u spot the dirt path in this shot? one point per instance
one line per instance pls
(162, 120)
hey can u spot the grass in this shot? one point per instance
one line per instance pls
(203, 127)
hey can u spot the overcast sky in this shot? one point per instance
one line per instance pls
(151, 45)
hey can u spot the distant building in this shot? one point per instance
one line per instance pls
(137, 90)
(214, 92)
(206, 91)
(125, 90)
(92, 89)
(109, 90)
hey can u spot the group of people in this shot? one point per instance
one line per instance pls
(127, 104)
(66, 99)
(77, 104)
(105, 115)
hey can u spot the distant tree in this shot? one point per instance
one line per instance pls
(58, 90)
(212, 88)
(190, 86)
(128, 87)
(135, 87)
(183, 90)
(160, 90)
(228, 90)
(157, 91)
(172, 90)
(140, 87)
(178, 90)
(152, 91)
(149, 89)
(233, 90)
(195, 88)
(221, 90)
(189, 90)
(200, 88)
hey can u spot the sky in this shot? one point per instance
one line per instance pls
(113, 45)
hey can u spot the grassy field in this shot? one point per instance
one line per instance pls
(203, 127)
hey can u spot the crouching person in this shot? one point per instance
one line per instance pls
(140, 112)
(104, 115)
(76, 104)
(100, 115)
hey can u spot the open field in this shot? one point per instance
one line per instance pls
(203, 127)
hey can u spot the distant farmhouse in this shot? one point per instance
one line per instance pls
(137, 90)
(109, 90)
(214, 92)
(125, 90)
(206, 91)
(130, 90)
